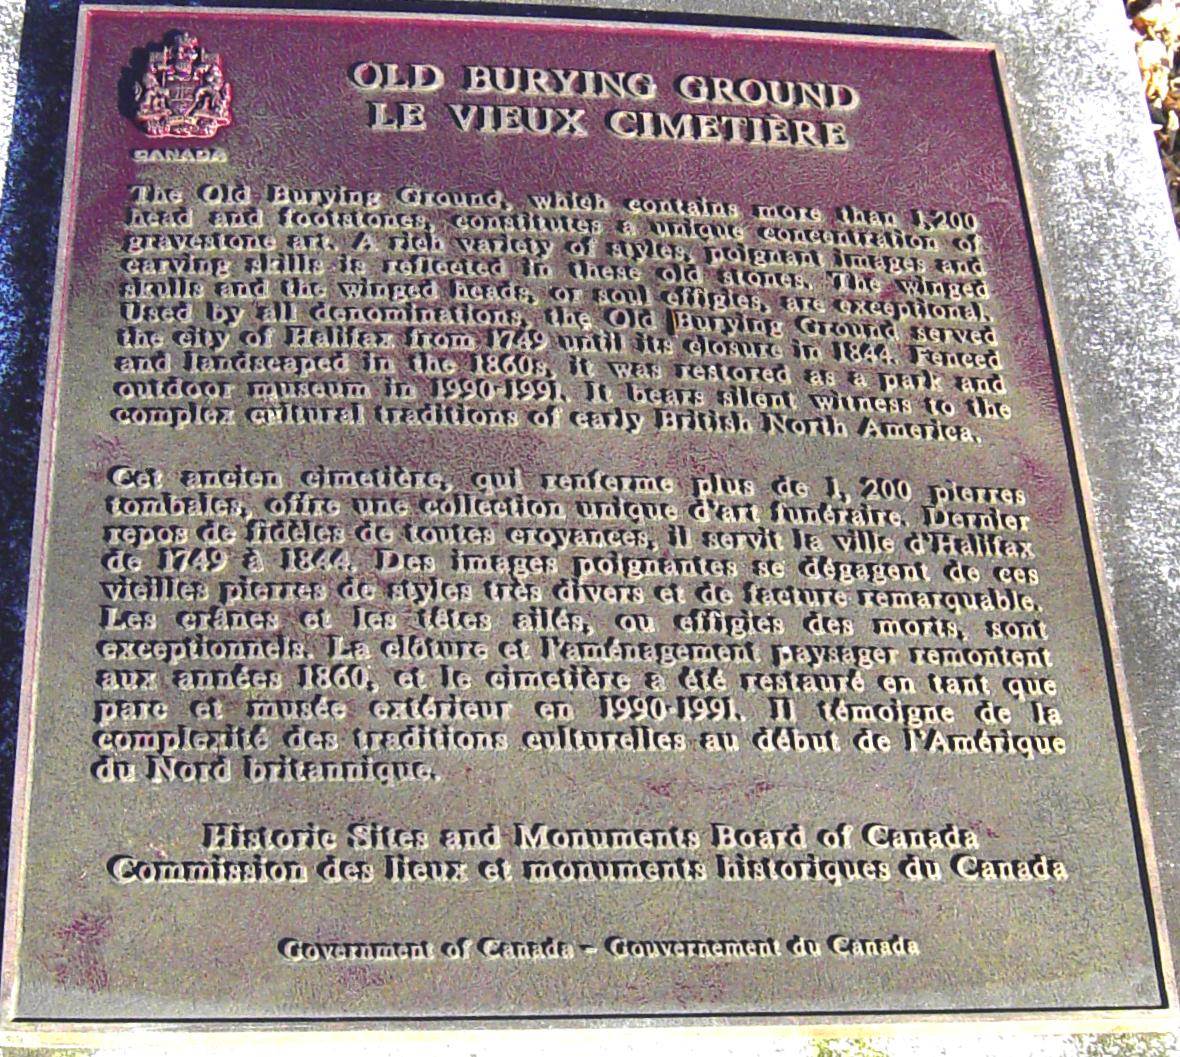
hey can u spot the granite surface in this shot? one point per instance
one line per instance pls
(1112, 265)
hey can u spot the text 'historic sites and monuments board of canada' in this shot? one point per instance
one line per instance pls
(551, 519)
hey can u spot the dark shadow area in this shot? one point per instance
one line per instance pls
(28, 244)
(130, 75)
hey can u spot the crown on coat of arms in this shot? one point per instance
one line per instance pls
(183, 92)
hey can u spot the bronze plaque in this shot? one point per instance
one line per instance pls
(553, 520)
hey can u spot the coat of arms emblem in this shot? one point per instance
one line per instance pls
(183, 91)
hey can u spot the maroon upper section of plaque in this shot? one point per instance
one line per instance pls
(927, 119)
(924, 107)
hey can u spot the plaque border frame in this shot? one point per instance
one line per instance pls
(1163, 1016)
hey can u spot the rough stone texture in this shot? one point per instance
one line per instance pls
(11, 19)
(1112, 264)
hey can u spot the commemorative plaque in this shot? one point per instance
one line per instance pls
(552, 519)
